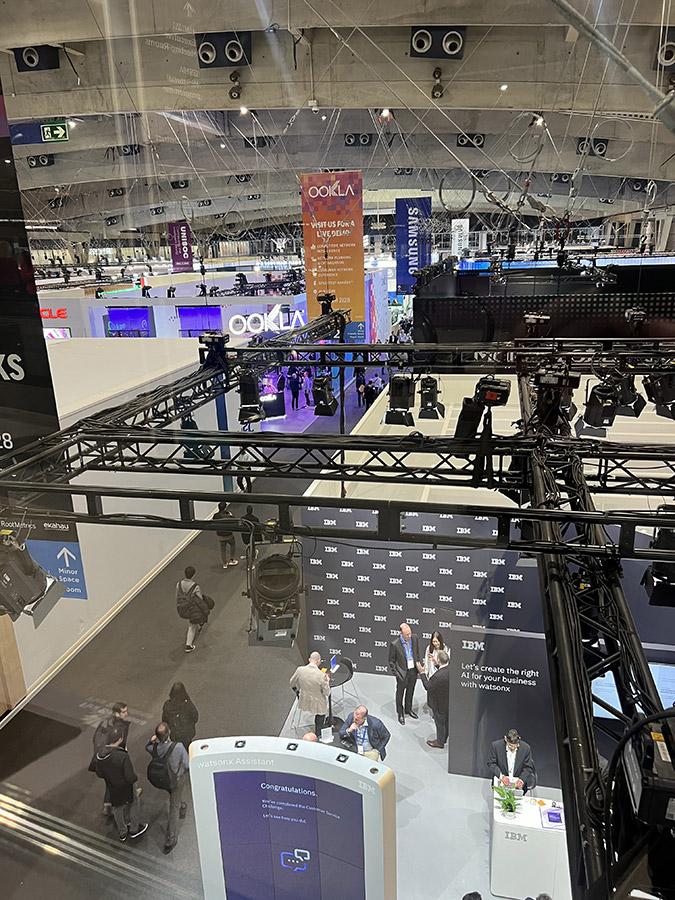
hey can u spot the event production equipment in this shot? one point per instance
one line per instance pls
(589, 627)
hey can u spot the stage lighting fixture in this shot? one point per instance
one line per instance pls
(274, 583)
(600, 412)
(325, 403)
(492, 392)
(250, 409)
(469, 419)
(631, 403)
(24, 584)
(401, 398)
(430, 405)
(660, 389)
(326, 302)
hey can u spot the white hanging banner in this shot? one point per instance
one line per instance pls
(460, 235)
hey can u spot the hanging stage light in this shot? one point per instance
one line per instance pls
(250, 409)
(24, 585)
(489, 392)
(275, 584)
(401, 398)
(430, 405)
(631, 403)
(492, 392)
(325, 403)
(600, 412)
(660, 389)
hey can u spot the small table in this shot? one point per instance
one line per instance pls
(337, 678)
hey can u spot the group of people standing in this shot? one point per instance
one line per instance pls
(367, 390)
(167, 769)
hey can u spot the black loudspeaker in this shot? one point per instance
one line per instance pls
(117, 192)
(470, 140)
(562, 177)
(325, 403)
(218, 49)
(437, 41)
(598, 147)
(665, 52)
(37, 59)
(249, 390)
(469, 419)
(39, 162)
(112, 220)
(180, 185)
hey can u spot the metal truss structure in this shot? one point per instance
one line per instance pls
(548, 476)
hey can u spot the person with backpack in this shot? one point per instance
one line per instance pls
(112, 763)
(167, 771)
(180, 714)
(225, 536)
(360, 388)
(192, 604)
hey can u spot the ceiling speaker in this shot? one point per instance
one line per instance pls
(37, 59)
(180, 185)
(470, 140)
(438, 41)
(665, 52)
(219, 49)
(350, 139)
(597, 147)
(39, 162)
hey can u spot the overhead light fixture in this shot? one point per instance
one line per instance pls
(504, 87)
(325, 403)
(71, 123)
(401, 398)
(24, 585)
(631, 403)
(8, 160)
(243, 110)
(272, 28)
(601, 409)
(430, 405)
(250, 409)
(660, 389)
(323, 118)
(489, 392)
(222, 146)
(492, 392)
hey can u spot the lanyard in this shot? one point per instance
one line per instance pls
(361, 734)
(407, 647)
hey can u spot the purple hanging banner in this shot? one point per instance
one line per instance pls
(181, 246)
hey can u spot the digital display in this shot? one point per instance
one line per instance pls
(129, 320)
(57, 333)
(198, 319)
(289, 837)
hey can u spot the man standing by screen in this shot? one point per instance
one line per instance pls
(404, 655)
(312, 687)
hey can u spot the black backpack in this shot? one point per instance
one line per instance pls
(184, 600)
(159, 774)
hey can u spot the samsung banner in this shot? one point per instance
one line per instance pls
(181, 246)
(460, 236)
(413, 240)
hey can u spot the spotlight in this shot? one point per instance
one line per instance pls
(600, 412)
(385, 113)
(491, 392)
(326, 302)
(430, 405)
(631, 403)
(660, 389)
(504, 87)
(401, 398)
(250, 406)
(274, 583)
(469, 419)
(325, 403)
(24, 584)
(242, 110)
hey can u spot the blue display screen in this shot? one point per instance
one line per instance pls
(128, 318)
(288, 837)
(200, 318)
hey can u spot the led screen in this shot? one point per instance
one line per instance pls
(289, 837)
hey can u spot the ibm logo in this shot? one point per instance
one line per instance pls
(349, 640)
(333, 602)
(329, 548)
(413, 621)
(364, 604)
(445, 624)
(514, 604)
(428, 584)
(515, 836)
(473, 645)
(515, 577)
(347, 563)
(477, 601)
(498, 561)
(380, 643)
(379, 593)
(332, 575)
(394, 607)
(462, 613)
(348, 615)
(496, 590)
(381, 669)
(318, 637)
(348, 590)
(379, 618)
(333, 627)
(318, 612)
(462, 559)
(330, 521)
(412, 568)
(463, 530)
(316, 562)
(476, 573)
(367, 655)
(317, 587)
(443, 598)
(398, 553)
(496, 617)
(442, 571)
(393, 632)
(364, 629)
(429, 610)
(395, 581)
(428, 556)
(362, 551)
(462, 587)
(412, 596)
(379, 566)
(360, 524)
(428, 528)
(363, 577)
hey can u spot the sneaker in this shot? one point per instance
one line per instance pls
(142, 828)
(169, 847)
(233, 562)
(107, 809)
(124, 836)
(189, 648)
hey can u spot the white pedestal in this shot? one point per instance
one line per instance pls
(526, 858)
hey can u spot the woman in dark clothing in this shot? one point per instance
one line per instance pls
(180, 714)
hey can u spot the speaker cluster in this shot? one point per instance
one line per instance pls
(41, 161)
(180, 185)
(470, 140)
(37, 59)
(117, 192)
(596, 147)
(437, 41)
(561, 177)
(112, 220)
(354, 139)
(665, 52)
(220, 49)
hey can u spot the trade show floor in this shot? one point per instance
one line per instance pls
(442, 820)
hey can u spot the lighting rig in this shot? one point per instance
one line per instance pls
(588, 624)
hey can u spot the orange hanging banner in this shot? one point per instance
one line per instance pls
(332, 221)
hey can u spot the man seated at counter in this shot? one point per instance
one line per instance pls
(369, 734)
(511, 762)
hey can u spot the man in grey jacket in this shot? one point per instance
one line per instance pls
(178, 764)
(312, 687)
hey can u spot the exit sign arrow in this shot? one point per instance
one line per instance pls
(65, 553)
(54, 132)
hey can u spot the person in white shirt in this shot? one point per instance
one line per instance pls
(512, 763)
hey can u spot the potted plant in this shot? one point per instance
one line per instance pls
(507, 800)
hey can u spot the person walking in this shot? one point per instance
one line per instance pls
(294, 384)
(307, 384)
(250, 536)
(178, 764)
(180, 714)
(360, 388)
(114, 766)
(226, 536)
(192, 604)
(118, 719)
(369, 393)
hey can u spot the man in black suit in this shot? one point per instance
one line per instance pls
(438, 689)
(511, 762)
(404, 655)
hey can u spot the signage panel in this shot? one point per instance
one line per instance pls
(54, 132)
(181, 246)
(413, 240)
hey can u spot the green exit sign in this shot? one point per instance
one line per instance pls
(54, 132)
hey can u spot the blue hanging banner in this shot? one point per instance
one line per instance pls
(413, 240)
